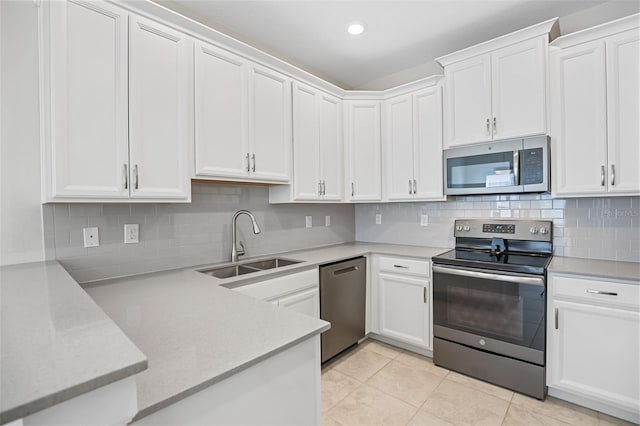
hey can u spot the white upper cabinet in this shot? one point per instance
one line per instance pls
(497, 89)
(116, 95)
(412, 146)
(595, 105)
(160, 107)
(243, 118)
(317, 148)
(362, 151)
(84, 94)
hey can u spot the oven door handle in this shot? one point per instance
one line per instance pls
(539, 281)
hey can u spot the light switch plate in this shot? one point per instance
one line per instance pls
(308, 221)
(131, 233)
(91, 237)
(378, 219)
(424, 220)
(327, 221)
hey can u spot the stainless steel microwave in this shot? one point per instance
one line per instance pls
(511, 166)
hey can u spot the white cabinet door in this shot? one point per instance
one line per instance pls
(468, 101)
(161, 110)
(269, 125)
(85, 58)
(427, 143)
(518, 89)
(220, 113)
(594, 353)
(578, 120)
(306, 302)
(623, 111)
(404, 309)
(398, 148)
(306, 155)
(330, 144)
(362, 147)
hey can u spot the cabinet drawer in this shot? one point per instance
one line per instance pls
(404, 266)
(596, 290)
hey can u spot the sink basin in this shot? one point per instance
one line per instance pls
(230, 271)
(276, 262)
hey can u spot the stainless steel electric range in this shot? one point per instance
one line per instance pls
(489, 302)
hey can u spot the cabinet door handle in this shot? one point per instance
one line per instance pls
(401, 266)
(353, 191)
(488, 128)
(606, 293)
(324, 187)
(253, 158)
(556, 318)
(319, 187)
(602, 172)
(410, 187)
(135, 174)
(613, 174)
(415, 187)
(248, 163)
(125, 176)
(424, 294)
(495, 126)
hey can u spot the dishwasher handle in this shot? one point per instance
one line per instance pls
(345, 270)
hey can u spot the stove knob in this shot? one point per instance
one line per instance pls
(467, 228)
(534, 230)
(458, 227)
(543, 230)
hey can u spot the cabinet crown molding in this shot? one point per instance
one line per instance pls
(599, 31)
(547, 27)
(403, 89)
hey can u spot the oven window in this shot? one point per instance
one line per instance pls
(481, 171)
(510, 312)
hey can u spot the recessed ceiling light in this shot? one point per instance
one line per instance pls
(356, 28)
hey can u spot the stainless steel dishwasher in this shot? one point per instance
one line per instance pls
(342, 303)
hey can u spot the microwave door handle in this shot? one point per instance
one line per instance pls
(516, 167)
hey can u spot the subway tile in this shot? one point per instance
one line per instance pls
(116, 209)
(145, 209)
(553, 213)
(483, 205)
(541, 204)
(501, 205)
(520, 204)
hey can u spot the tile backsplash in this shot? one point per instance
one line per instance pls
(179, 235)
(595, 228)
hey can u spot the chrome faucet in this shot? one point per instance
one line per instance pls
(235, 253)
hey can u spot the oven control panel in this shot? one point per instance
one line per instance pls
(532, 230)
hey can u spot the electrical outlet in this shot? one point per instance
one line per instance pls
(131, 233)
(91, 237)
(309, 221)
(424, 220)
(327, 221)
(378, 219)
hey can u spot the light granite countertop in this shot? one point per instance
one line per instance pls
(196, 332)
(56, 343)
(611, 269)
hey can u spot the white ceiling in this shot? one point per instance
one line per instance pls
(400, 34)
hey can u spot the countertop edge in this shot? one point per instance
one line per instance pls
(146, 411)
(42, 403)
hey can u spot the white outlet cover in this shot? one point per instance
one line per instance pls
(327, 221)
(91, 237)
(378, 219)
(424, 220)
(131, 233)
(309, 221)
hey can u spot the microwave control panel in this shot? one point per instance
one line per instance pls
(531, 161)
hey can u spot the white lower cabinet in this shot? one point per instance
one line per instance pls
(401, 300)
(593, 343)
(298, 291)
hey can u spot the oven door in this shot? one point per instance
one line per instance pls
(492, 311)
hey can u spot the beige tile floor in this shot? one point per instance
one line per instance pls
(377, 384)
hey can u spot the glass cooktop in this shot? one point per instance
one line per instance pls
(511, 262)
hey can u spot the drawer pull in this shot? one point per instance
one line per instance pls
(606, 293)
(401, 266)
(424, 294)
(556, 317)
(345, 270)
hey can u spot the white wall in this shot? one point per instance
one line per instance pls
(21, 235)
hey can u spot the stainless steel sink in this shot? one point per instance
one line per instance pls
(276, 262)
(230, 271)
